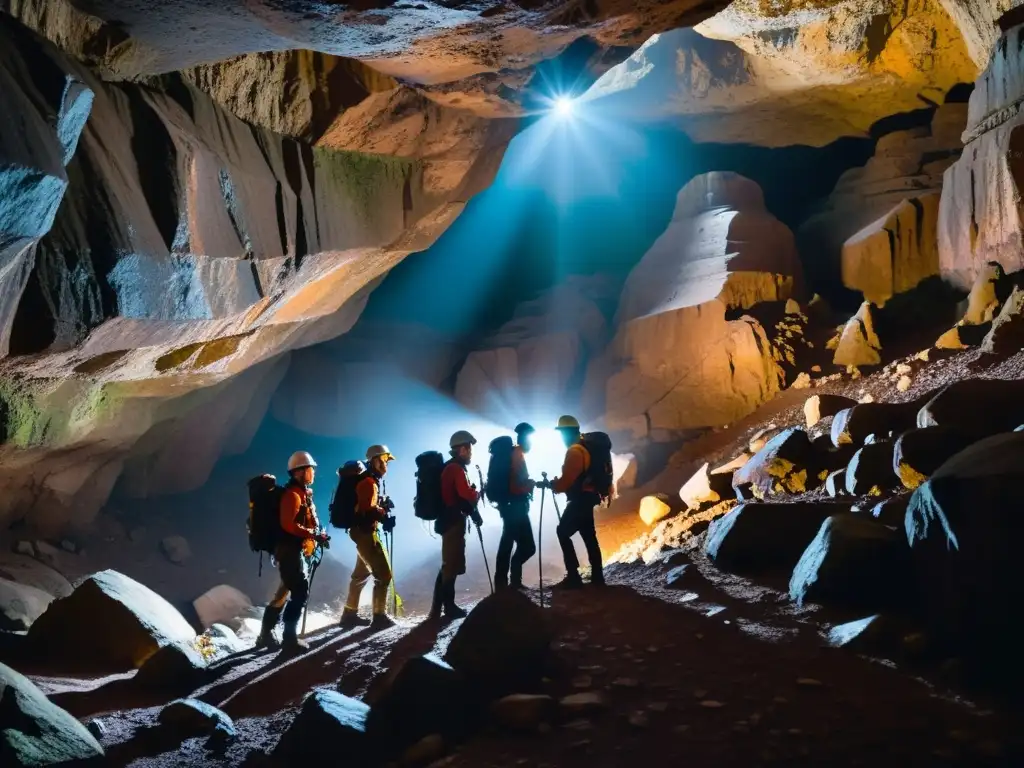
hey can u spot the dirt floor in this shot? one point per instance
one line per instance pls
(692, 676)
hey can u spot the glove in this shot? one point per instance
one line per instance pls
(543, 484)
(387, 504)
(388, 524)
(323, 539)
(477, 520)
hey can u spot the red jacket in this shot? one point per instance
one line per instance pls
(456, 491)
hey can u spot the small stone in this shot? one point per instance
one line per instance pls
(711, 704)
(808, 682)
(24, 548)
(97, 728)
(639, 720)
(583, 703)
(625, 682)
(903, 384)
(69, 546)
(755, 718)
(816, 369)
(658, 706)
(176, 549)
(699, 693)
(699, 636)
(652, 649)
(583, 681)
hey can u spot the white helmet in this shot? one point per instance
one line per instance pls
(462, 437)
(299, 460)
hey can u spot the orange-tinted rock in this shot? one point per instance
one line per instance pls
(676, 362)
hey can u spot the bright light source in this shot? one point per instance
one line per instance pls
(547, 453)
(563, 106)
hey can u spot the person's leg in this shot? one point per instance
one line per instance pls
(504, 556)
(271, 615)
(525, 549)
(295, 575)
(360, 575)
(377, 560)
(588, 532)
(453, 565)
(568, 526)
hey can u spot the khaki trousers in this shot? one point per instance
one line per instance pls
(370, 561)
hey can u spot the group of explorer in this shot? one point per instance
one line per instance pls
(283, 521)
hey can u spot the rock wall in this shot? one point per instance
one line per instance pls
(538, 358)
(866, 205)
(981, 215)
(677, 361)
(778, 76)
(189, 247)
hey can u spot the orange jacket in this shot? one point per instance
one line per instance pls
(456, 492)
(576, 462)
(298, 513)
(519, 483)
(368, 510)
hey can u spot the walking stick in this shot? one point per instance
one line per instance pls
(318, 555)
(391, 562)
(480, 533)
(554, 499)
(540, 545)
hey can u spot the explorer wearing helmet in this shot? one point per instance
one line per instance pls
(582, 497)
(460, 498)
(371, 511)
(301, 532)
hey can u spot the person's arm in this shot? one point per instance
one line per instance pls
(572, 468)
(464, 490)
(291, 507)
(368, 500)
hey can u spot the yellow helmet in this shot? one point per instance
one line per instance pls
(567, 422)
(379, 450)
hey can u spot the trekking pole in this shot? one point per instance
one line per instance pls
(315, 563)
(480, 533)
(391, 562)
(554, 499)
(540, 544)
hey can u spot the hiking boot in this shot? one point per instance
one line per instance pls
(571, 581)
(266, 638)
(451, 610)
(351, 620)
(381, 621)
(516, 585)
(292, 644)
(597, 581)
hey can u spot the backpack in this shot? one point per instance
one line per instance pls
(600, 473)
(499, 470)
(343, 504)
(264, 513)
(428, 504)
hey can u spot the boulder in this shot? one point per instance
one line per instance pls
(858, 342)
(989, 290)
(895, 252)
(654, 508)
(20, 605)
(872, 634)
(176, 549)
(624, 471)
(109, 619)
(424, 696)
(191, 717)
(891, 511)
(707, 486)
(583, 704)
(818, 407)
(31, 572)
(835, 483)
(1006, 336)
(329, 724)
(853, 425)
(759, 536)
(919, 452)
(678, 359)
(681, 576)
(871, 470)
(36, 731)
(503, 645)
(523, 711)
(963, 526)
(760, 438)
(976, 407)
(174, 667)
(786, 465)
(854, 561)
(222, 604)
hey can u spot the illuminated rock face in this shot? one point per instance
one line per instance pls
(981, 216)
(188, 248)
(886, 210)
(676, 361)
(802, 76)
(534, 365)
